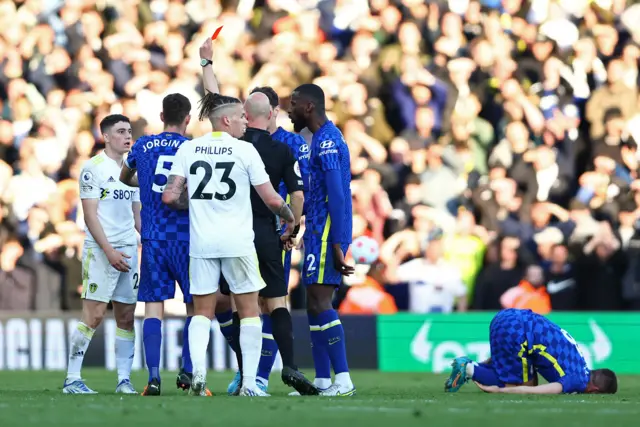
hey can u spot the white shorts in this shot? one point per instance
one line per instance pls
(242, 274)
(102, 282)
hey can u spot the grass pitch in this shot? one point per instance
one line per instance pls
(389, 400)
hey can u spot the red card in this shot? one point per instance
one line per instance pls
(215, 35)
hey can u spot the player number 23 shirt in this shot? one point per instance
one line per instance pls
(220, 171)
(100, 179)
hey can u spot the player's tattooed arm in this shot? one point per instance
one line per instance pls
(175, 193)
(285, 212)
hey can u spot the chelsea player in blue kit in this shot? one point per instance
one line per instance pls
(165, 235)
(327, 236)
(524, 344)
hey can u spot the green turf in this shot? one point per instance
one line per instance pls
(391, 400)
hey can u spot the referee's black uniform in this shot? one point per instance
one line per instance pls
(279, 163)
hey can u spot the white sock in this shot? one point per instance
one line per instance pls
(251, 347)
(199, 333)
(78, 343)
(125, 346)
(344, 379)
(322, 383)
(470, 368)
(263, 381)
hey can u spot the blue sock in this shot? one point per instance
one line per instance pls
(186, 355)
(152, 338)
(485, 374)
(321, 359)
(225, 320)
(269, 349)
(333, 336)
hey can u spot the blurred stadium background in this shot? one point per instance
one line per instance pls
(496, 139)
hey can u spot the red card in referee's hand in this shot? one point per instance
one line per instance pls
(215, 34)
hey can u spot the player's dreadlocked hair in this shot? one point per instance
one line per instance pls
(213, 101)
(274, 101)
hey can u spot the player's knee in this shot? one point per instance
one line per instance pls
(93, 312)
(318, 300)
(271, 304)
(154, 310)
(223, 303)
(247, 305)
(124, 314)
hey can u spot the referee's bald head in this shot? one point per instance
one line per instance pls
(257, 106)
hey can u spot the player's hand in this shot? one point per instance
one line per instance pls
(288, 231)
(300, 245)
(339, 263)
(206, 50)
(118, 260)
(488, 388)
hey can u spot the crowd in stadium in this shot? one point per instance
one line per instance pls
(493, 143)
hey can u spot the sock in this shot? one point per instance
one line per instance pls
(283, 334)
(186, 354)
(251, 346)
(269, 350)
(225, 320)
(484, 373)
(321, 360)
(125, 346)
(199, 332)
(333, 336)
(152, 339)
(235, 343)
(79, 342)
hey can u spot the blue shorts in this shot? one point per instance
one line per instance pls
(508, 340)
(163, 263)
(318, 267)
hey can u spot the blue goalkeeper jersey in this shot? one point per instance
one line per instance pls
(329, 151)
(152, 156)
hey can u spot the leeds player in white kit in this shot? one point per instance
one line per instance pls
(218, 171)
(110, 255)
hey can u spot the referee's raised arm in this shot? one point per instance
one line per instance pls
(206, 62)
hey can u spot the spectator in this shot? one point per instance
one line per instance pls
(530, 294)
(493, 121)
(17, 283)
(559, 277)
(434, 285)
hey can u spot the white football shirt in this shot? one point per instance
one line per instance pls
(220, 171)
(100, 179)
(432, 287)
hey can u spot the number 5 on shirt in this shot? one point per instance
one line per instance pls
(163, 167)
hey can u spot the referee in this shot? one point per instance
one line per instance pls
(280, 165)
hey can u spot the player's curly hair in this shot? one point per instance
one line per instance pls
(212, 102)
(274, 100)
(175, 108)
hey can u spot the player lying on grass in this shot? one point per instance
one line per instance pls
(524, 343)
